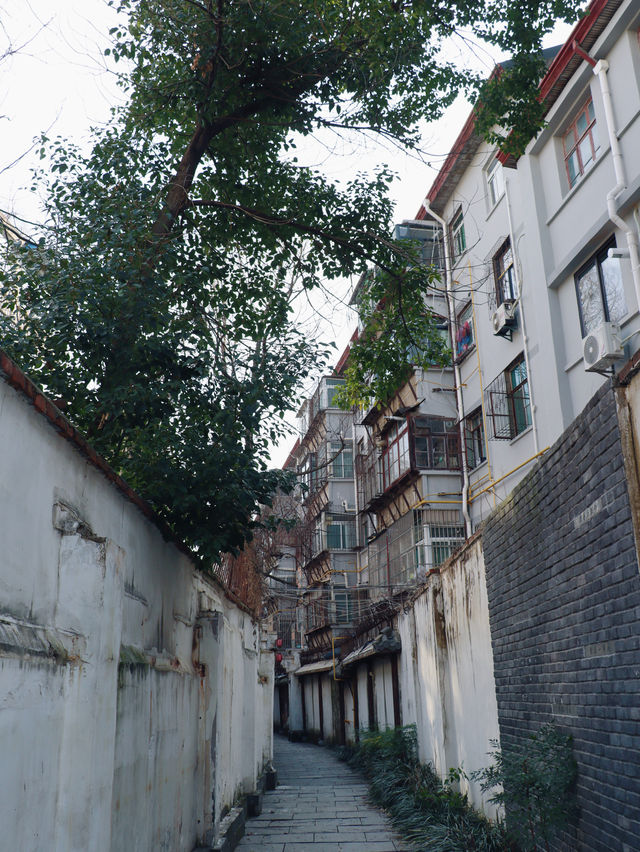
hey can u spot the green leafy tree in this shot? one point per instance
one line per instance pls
(397, 334)
(157, 306)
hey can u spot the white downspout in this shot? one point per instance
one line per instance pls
(525, 338)
(600, 69)
(456, 367)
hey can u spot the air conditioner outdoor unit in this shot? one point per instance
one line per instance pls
(503, 318)
(601, 347)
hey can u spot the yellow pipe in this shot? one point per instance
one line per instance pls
(427, 500)
(495, 482)
(482, 407)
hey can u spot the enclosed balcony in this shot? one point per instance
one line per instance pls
(322, 399)
(408, 446)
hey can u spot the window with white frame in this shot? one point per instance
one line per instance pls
(458, 237)
(342, 459)
(495, 182)
(581, 144)
(332, 386)
(434, 543)
(341, 534)
(504, 273)
(599, 290)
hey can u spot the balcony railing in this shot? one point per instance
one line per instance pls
(421, 540)
(321, 399)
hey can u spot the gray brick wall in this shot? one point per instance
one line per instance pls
(564, 604)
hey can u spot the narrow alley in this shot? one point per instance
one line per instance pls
(320, 804)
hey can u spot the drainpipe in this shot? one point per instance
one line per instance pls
(456, 367)
(525, 338)
(600, 69)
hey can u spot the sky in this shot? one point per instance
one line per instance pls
(58, 82)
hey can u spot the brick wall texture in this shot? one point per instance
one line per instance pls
(564, 603)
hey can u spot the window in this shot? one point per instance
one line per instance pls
(309, 473)
(507, 404)
(581, 144)
(600, 292)
(342, 464)
(518, 396)
(436, 444)
(396, 459)
(332, 387)
(341, 535)
(458, 239)
(444, 540)
(464, 332)
(434, 543)
(495, 182)
(504, 274)
(474, 439)
(342, 606)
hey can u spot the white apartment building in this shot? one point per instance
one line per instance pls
(543, 256)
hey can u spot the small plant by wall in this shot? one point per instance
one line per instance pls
(535, 782)
(429, 812)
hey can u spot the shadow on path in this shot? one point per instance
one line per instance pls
(320, 805)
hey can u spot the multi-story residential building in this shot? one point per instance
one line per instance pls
(408, 462)
(327, 539)
(541, 256)
(540, 295)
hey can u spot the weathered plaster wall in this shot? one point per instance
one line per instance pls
(447, 687)
(136, 701)
(564, 599)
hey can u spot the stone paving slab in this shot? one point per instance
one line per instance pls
(320, 805)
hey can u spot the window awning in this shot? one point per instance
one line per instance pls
(361, 653)
(388, 642)
(314, 668)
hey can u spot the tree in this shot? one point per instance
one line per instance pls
(157, 305)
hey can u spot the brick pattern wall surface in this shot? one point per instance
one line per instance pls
(564, 602)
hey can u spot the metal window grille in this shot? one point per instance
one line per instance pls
(417, 542)
(507, 404)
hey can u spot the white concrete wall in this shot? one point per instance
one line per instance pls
(363, 702)
(310, 687)
(349, 712)
(295, 703)
(447, 687)
(383, 685)
(135, 700)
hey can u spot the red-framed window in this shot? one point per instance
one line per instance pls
(396, 457)
(581, 144)
(419, 443)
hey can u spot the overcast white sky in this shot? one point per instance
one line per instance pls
(58, 82)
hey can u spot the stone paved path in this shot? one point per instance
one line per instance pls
(320, 805)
